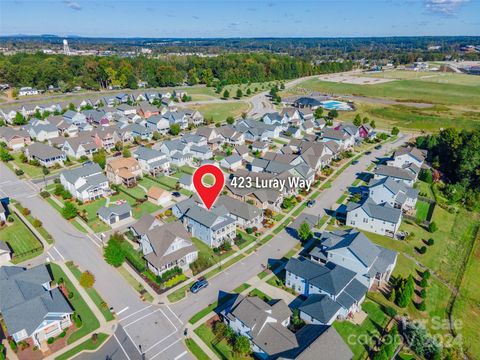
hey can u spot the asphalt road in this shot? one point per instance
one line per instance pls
(146, 325)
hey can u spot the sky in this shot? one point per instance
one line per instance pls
(233, 18)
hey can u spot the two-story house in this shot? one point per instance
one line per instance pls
(167, 246)
(367, 215)
(213, 227)
(124, 171)
(406, 156)
(152, 161)
(246, 215)
(353, 250)
(85, 183)
(31, 305)
(395, 193)
(407, 176)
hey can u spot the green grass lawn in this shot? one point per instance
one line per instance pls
(89, 321)
(221, 348)
(21, 240)
(220, 111)
(424, 189)
(258, 293)
(86, 345)
(240, 288)
(94, 295)
(168, 182)
(422, 210)
(135, 284)
(466, 307)
(196, 350)
(248, 238)
(46, 235)
(29, 170)
(404, 90)
(355, 335)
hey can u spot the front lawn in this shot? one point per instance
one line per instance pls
(94, 295)
(196, 350)
(360, 338)
(221, 348)
(87, 345)
(89, 321)
(21, 240)
(422, 210)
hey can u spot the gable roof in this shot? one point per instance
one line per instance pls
(115, 209)
(377, 211)
(321, 307)
(238, 208)
(399, 173)
(43, 151)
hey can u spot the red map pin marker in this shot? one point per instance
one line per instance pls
(208, 194)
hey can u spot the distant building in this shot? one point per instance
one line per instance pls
(27, 91)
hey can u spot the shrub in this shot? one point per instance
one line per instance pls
(422, 250)
(10, 219)
(430, 242)
(421, 306)
(423, 293)
(77, 320)
(249, 231)
(50, 340)
(390, 311)
(44, 194)
(87, 279)
(13, 345)
(62, 334)
(94, 338)
(19, 172)
(69, 211)
(426, 274)
(423, 283)
(25, 211)
(113, 254)
(432, 227)
(36, 223)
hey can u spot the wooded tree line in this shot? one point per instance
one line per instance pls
(92, 72)
(457, 155)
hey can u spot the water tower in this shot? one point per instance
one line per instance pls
(66, 49)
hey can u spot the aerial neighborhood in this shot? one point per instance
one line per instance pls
(120, 168)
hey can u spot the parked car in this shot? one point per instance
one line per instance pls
(368, 152)
(311, 203)
(378, 147)
(354, 162)
(176, 194)
(198, 285)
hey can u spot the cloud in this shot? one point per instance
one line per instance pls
(195, 17)
(73, 5)
(445, 7)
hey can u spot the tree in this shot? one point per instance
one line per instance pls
(219, 328)
(372, 124)
(100, 157)
(87, 279)
(241, 345)
(318, 113)
(365, 120)
(175, 129)
(45, 170)
(126, 153)
(426, 175)
(118, 146)
(249, 92)
(19, 119)
(432, 227)
(230, 120)
(69, 211)
(333, 114)
(304, 232)
(239, 93)
(392, 295)
(226, 94)
(395, 131)
(156, 135)
(5, 156)
(357, 121)
(113, 254)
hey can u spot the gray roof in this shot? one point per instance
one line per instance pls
(395, 187)
(353, 293)
(311, 220)
(321, 307)
(204, 149)
(330, 345)
(144, 224)
(271, 337)
(238, 208)
(84, 171)
(307, 101)
(115, 209)
(186, 180)
(43, 151)
(24, 302)
(161, 238)
(233, 158)
(145, 153)
(382, 212)
(395, 172)
(4, 245)
(334, 134)
(330, 277)
(416, 153)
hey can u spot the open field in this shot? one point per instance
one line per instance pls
(21, 240)
(220, 111)
(434, 77)
(404, 90)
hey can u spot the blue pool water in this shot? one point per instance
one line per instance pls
(335, 105)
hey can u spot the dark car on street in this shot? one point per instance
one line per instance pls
(176, 194)
(198, 285)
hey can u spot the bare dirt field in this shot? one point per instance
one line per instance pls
(353, 79)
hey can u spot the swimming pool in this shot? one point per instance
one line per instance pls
(335, 105)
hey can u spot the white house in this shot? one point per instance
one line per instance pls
(166, 247)
(45, 155)
(398, 174)
(24, 91)
(85, 183)
(351, 249)
(246, 215)
(115, 212)
(381, 219)
(152, 161)
(405, 156)
(42, 132)
(232, 162)
(394, 193)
